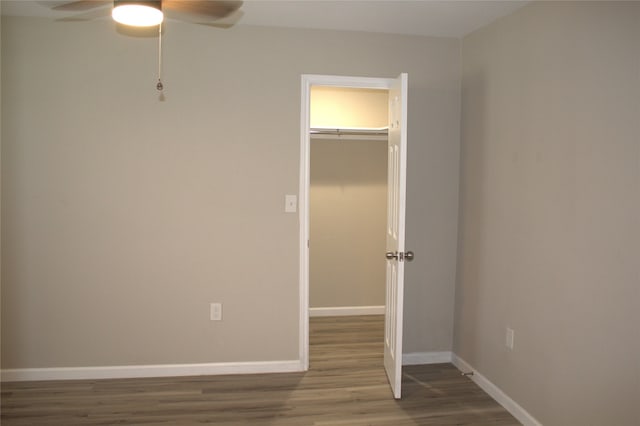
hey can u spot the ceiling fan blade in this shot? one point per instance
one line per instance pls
(87, 16)
(225, 22)
(213, 9)
(81, 5)
(223, 26)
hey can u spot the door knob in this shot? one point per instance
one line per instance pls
(402, 256)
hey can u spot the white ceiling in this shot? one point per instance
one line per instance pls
(439, 18)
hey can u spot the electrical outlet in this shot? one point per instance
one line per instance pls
(509, 338)
(215, 311)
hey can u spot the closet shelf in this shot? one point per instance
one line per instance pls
(380, 133)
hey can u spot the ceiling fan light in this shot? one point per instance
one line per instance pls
(138, 13)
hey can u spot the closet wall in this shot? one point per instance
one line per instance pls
(347, 201)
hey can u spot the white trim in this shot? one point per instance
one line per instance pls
(341, 311)
(137, 371)
(303, 212)
(420, 358)
(496, 393)
(348, 81)
(308, 80)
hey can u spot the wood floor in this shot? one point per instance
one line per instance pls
(345, 385)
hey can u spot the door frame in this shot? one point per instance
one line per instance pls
(309, 80)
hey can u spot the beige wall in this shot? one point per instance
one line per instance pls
(348, 213)
(549, 231)
(341, 107)
(124, 217)
(348, 199)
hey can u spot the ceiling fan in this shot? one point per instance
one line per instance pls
(151, 12)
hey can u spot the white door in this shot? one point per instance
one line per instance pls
(396, 180)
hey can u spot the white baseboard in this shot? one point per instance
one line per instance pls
(340, 311)
(419, 358)
(496, 393)
(137, 371)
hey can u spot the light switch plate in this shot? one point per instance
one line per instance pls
(215, 311)
(509, 338)
(290, 203)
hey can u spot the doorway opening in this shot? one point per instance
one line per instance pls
(323, 82)
(347, 221)
(347, 201)
(395, 214)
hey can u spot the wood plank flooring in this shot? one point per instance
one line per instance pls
(345, 385)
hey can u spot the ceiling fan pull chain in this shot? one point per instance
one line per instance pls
(159, 86)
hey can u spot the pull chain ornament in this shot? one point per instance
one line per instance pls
(160, 86)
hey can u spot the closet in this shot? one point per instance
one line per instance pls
(348, 197)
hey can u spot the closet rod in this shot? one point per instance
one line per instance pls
(382, 131)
